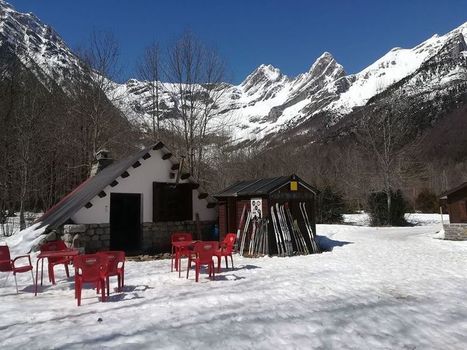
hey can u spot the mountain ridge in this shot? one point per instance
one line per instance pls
(267, 102)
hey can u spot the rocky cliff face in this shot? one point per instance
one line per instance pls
(38, 47)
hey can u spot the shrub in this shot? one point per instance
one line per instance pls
(332, 206)
(427, 202)
(378, 209)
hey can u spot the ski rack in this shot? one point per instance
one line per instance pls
(254, 235)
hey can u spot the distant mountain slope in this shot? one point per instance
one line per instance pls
(268, 103)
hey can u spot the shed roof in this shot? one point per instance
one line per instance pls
(260, 187)
(87, 190)
(453, 190)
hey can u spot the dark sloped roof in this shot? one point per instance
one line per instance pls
(453, 190)
(260, 187)
(75, 200)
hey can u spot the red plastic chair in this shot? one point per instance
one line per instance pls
(8, 265)
(202, 254)
(115, 267)
(52, 262)
(90, 268)
(178, 253)
(227, 248)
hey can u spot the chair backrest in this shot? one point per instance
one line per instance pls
(5, 259)
(205, 250)
(181, 236)
(116, 260)
(229, 242)
(53, 246)
(90, 267)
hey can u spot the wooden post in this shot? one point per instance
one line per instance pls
(198, 228)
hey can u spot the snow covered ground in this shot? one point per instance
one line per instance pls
(362, 219)
(390, 288)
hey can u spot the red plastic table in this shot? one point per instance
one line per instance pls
(179, 246)
(51, 254)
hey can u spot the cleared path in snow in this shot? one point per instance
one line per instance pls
(392, 288)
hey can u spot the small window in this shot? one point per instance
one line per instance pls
(172, 203)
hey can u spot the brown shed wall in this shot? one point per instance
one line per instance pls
(457, 206)
(224, 214)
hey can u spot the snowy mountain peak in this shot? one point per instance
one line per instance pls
(267, 101)
(324, 63)
(262, 78)
(6, 6)
(325, 56)
(461, 29)
(264, 71)
(37, 45)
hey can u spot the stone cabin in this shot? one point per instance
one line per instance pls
(133, 205)
(456, 202)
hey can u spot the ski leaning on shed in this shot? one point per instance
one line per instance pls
(280, 247)
(253, 235)
(311, 234)
(241, 223)
(245, 232)
(299, 240)
(285, 230)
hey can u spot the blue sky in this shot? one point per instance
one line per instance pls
(288, 34)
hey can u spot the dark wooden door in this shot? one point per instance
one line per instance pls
(125, 221)
(231, 215)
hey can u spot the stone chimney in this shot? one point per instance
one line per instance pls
(103, 159)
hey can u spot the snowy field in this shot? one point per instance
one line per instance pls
(379, 288)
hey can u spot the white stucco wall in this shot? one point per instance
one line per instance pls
(140, 181)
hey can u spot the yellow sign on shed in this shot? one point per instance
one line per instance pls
(293, 185)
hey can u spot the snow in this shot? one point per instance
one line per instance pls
(24, 241)
(362, 219)
(379, 288)
(392, 67)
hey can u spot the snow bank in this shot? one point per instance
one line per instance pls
(426, 219)
(363, 219)
(24, 241)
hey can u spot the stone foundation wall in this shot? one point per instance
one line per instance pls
(455, 232)
(155, 236)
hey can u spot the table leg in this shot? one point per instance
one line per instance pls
(42, 271)
(172, 260)
(37, 276)
(180, 267)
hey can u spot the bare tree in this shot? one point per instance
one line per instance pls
(150, 72)
(99, 121)
(386, 134)
(195, 73)
(30, 112)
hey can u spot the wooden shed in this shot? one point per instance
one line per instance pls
(267, 199)
(456, 201)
